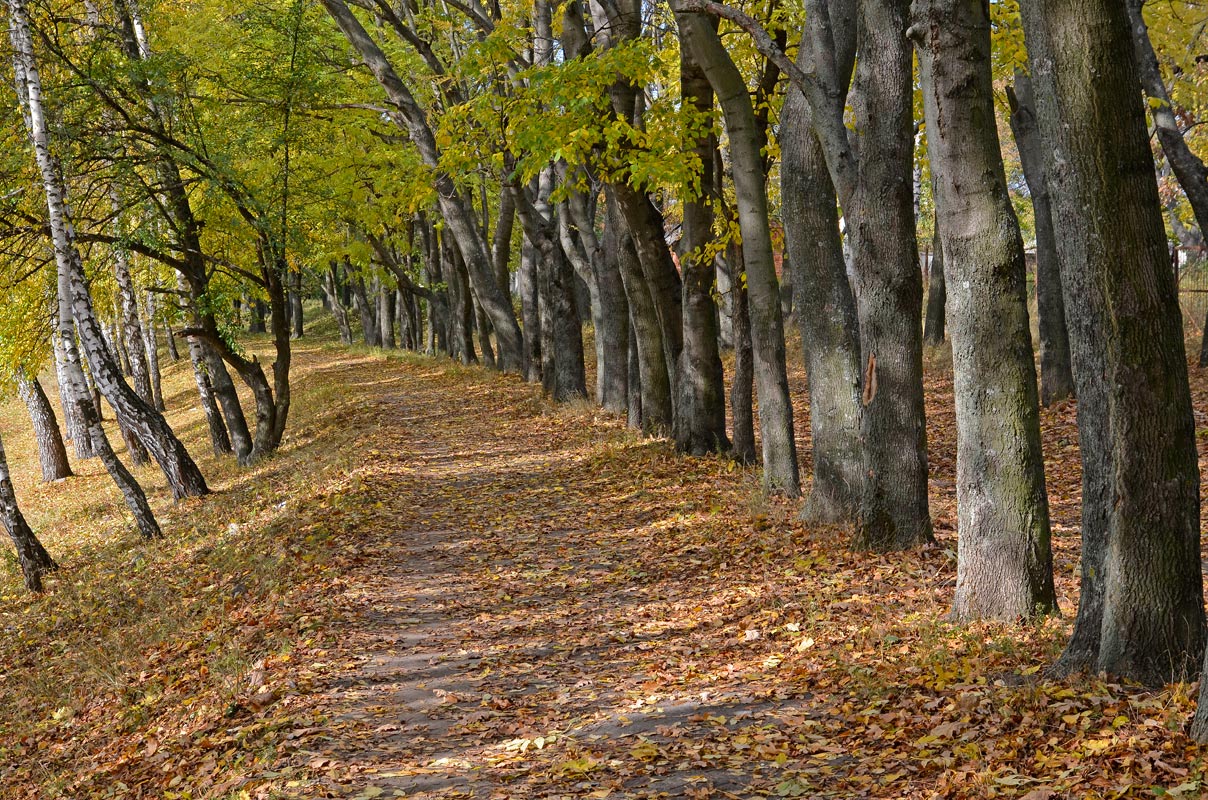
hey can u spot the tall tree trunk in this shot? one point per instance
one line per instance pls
(70, 374)
(826, 306)
(151, 346)
(52, 454)
(937, 293)
(780, 472)
(336, 304)
(32, 556)
(742, 388)
(1140, 611)
(131, 326)
(889, 287)
(1004, 567)
(385, 315)
(219, 400)
(369, 327)
(219, 438)
(295, 305)
(563, 375)
(654, 378)
(700, 392)
(148, 424)
(173, 353)
(530, 305)
(1056, 372)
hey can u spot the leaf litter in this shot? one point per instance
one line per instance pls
(470, 592)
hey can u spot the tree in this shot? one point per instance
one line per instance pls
(1056, 375)
(830, 335)
(893, 511)
(34, 559)
(52, 453)
(1004, 567)
(1140, 611)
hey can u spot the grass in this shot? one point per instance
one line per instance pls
(136, 647)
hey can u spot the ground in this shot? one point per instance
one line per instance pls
(445, 586)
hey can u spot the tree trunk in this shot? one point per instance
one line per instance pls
(334, 302)
(151, 346)
(889, 287)
(226, 421)
(70, 374)
(937, 293)
(295, 305)
(483, 326)
(654, 380)
(530, 309)
(52, 454)
(369, 327)
(461, 304)
(385, 316)
(1004, 567)
(742, 388)
(173, 353)
(1140, 612)
(219, 438)
(563, 375)
(1056, 373)
(826, 306)
(32, 556)
(131, 327)
(700, 392)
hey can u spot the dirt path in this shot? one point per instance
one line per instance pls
(540, 605)
(518, 629)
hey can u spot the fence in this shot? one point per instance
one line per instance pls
(1190, 265)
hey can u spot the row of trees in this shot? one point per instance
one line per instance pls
(459, 171)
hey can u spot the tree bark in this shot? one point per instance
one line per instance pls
(151, 345)
(70, 375)
(1140, 612)
(32, 556)
(743, 386)
(52, 454)
(131, 326)
(1056, 372)
(937, 293)
(530, 304)
(295, 305)
(654, 378)
(826, 306)
(369, 327)
(893, 511)
(700, 393)
(336, 304)
(1004, 567)
(173, 353)
(385, 315)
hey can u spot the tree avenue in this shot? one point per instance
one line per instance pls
(666, 210)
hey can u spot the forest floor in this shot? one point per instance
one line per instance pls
(444, 586)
